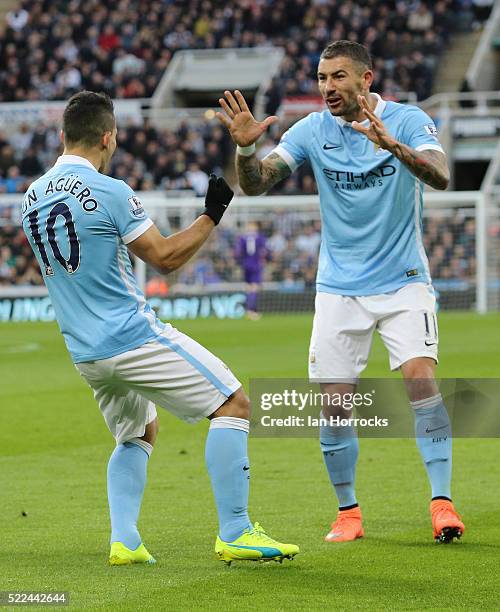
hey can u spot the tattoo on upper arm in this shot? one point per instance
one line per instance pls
(257, 176)
(429, 166)
(274, 169)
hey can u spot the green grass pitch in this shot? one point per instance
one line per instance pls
(54, 449)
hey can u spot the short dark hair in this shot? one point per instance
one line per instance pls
(87, 116)
(347, 48)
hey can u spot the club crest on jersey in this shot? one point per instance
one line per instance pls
(431, 129)
(136, 209)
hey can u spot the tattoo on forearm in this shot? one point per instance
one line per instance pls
(257, 176)
(249, 176)
(429, 166)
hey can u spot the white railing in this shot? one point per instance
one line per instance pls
(49, 112)
(12, 114)
(492, 177)
(489, 214)
(485, 103)
(480, 59)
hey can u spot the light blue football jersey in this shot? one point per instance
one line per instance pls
(371, 204)
(78, 222)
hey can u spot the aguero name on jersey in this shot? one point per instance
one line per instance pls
(371, 204)
(78, 222)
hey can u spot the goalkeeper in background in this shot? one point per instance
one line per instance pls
(79, 223)
(251, 253)
(371, 158)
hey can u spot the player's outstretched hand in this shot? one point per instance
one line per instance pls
(242, 125)
(219, 194)
(376, 131)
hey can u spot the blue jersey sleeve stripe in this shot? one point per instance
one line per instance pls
(202, 369)
(138, 231)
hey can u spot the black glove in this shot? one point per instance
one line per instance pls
(219, 194)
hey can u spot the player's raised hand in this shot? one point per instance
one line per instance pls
(376, 131)
(242, 125)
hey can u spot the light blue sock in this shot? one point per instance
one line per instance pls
(127, 469)
(228, 467)
(433, 435)
(340, 449)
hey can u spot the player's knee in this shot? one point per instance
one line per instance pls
(419, 368)
(238, 405)
(336, 411)
(151, 432)
(419, 375)
(337, 400)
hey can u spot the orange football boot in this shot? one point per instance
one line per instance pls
(347, 526)
(445, 521)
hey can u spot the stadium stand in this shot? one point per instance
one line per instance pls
(48, 50)
(147, 158)
(51, 49)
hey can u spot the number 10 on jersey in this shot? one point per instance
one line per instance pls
(70, 265)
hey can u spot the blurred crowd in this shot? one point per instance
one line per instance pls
(146, 157)
(450, 243)
(50, 49)
(18, 265)
(181, 159)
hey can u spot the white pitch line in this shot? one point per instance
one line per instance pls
(21, 348)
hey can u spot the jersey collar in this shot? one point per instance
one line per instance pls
(379, 109)
(75, 160)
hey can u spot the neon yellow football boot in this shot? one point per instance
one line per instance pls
(121, 555)
(254, 545)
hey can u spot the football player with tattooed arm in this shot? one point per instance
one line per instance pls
(370, 158)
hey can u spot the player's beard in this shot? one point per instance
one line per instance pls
(345, 108)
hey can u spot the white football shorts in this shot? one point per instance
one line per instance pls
(343, 330)
(172, 371)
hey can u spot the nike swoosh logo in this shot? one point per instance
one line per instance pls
(430, 343)
(435, 429)
(246, 467)
(328, 147)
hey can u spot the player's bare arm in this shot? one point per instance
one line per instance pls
(255, 176)
(258, 176)
(167, 254)
(429, 166)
